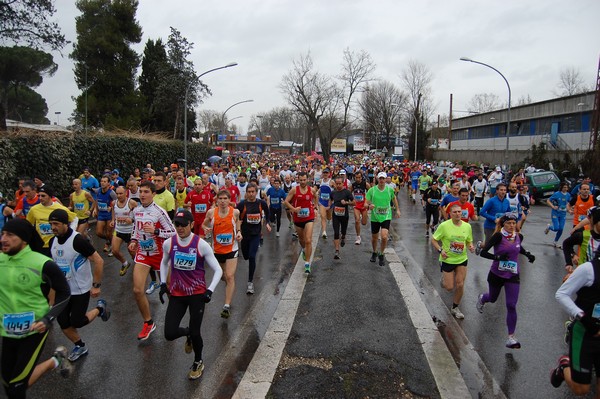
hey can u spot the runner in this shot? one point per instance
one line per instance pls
(479, 188)
(494, 179)
(504, 272)
(517, 202)
(558, 202)
(74, 255)
(580, 203)
(287, 187)
(378, 202)
(587, 239)
(495, 207)
(199, 201)
(133, 190)
(340, 199)
(163, 198)
(414, 181)
(103, 212)
(324, 192)
(181, 193)
(467, 209)
(38, 216)
(223, 223)
(183, 266)
(122, 223)
(584, 332)
(451, 239)
(152, 226)
(234, 191)
(275, 197)
(30, 198)
(302, 202)
(89, 183)
(359, 192)
(432, 197)
(80, 202)
(26, 322)
(424, 183)
(251, 216)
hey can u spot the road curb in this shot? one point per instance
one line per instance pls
(447, 377)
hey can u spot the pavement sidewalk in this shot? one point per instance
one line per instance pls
(352, 329)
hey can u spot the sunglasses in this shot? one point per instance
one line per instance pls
(179, 224)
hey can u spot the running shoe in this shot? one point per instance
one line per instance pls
(478, 247)
(432, 229)
(337, 255)
(512, 343)
(427, 233)
(381, 260)
(146, 331)
(307, 268)
(250, 289)
(568, 331)
(324, 235)
(276, 234)
(457, 313)
(295, 235)
(357, 242)
(106, 248)
(152, 287)
(64, 366)
(103, 308)
(188, 347)
(77, 352)
(343, 241)
(196, 370)
(109, 253)
(547, 229)
(557, 245)
(557, 376)
(480, 303)
(124, 268)
(373, 257)
(226, 312)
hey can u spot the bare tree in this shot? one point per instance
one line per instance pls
(382, 107)
(416, 79)
(315, 95)
(281, 124)
(570, 82)
(484, 102)
(209, 120)
(524, 100)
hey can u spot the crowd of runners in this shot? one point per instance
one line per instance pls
(169, 225)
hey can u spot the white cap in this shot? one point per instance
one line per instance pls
(203, 163)
(498, 169)
(342, 172)
(381, 174)
(254, 165)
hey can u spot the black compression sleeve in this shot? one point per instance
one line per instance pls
(494, 239)
(55, 278)
(83, 246)
(568, 245)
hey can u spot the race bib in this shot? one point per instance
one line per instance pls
(79, 206)
(562, 208)
(382, 210)
(102, 206)
(513, 208)
(479, 190)
(64, 267)
(17, 323)
(275, 200)
(359, 197)
(45, 229)
(434, 201)
(464, 214)
(581, 217)
(121, 220)
(148, 245)
(596, 311)
(507, 266)
(457, 247)
(184, 261)
(325, 196)
(304, 212)
(253, 218)
(339, 210)
(200, 208)
(224, 238)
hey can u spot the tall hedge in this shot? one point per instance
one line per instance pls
(60, 157)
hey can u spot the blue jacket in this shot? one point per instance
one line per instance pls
(493, 209)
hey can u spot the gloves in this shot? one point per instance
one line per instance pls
(163, 290)
(591, 325)
(530, 257)
(501, 257)
(207, 296)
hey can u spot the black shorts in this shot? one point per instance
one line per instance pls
(124, 236)
(222, 258)
(74, 313)
(376, 226)
(449, 267)
(302, 225)
(584, 351)
(82, 221)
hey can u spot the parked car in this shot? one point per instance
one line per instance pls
(542, 184)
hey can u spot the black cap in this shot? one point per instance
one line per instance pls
(47, 190)
(59, 215)
(183, 217)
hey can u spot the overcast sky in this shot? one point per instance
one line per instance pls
(528, 41)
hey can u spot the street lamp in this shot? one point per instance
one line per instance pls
(185, 102)
(57, 113)
(228, 108)
(509, 97)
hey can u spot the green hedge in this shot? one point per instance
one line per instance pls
(60, 157)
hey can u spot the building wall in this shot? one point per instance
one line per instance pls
(493, 157)
(575, 140)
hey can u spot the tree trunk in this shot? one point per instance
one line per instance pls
(3, 110)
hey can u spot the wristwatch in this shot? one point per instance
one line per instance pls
(440, 250)
(96, 285)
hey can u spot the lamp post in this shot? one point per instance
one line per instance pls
(224, 125)
(57, 113)
(509, 97)
(185, 102)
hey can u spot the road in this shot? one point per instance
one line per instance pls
(522, 373)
